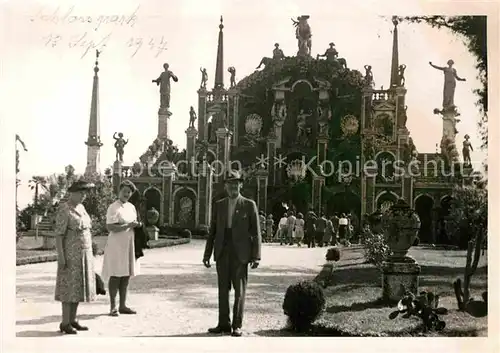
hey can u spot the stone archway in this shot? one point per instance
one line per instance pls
(153, 199)
(344, 202)
(424, 205)
(443, 236)
(385, 200)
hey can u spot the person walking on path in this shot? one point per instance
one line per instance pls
(329, 233)
(299, 228)
(281, 232)
(343, 231)
(235, 240)
(119, 263)
(320, 230)
(310, 225)
(75, 279)
(269, 228)
(290, 228)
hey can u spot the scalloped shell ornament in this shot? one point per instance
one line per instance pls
(253, 124)
(349, 125)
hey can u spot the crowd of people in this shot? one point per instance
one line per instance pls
(312, 230)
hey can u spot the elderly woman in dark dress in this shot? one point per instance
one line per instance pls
(75, 281)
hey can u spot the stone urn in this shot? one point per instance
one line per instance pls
(401, 225)
(152, 216)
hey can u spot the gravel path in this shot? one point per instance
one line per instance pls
(174, 295)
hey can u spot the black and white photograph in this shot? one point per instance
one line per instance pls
(225, 169)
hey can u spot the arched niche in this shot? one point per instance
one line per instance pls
(185, 212)
(153, 199)
(424, 206)
(344, 202)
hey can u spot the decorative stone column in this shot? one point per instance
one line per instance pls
(168, 173)
(401, 225)
(369, 173)
(366, 108)
(117, 175)
(262, 180)
(202, 116)
(233, 105)
(322, 148)
(222, 151)
(204, 199)
(163, 118)
(407, 188)
(191, 134)
(317, 187)
(271, 153)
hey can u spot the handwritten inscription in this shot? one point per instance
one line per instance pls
(70, 16)
(87, 43)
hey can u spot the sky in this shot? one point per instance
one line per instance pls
(48, 67)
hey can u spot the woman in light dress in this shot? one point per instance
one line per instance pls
(75, 280)
(119, 262)
(329, 233)
(281, 231)
(299, 228)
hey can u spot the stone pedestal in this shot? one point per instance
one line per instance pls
(117, 176)
(222, 152)
(317, 186)
(271, 154)
(168, 174)
(163, 117)
(191, 134)
(262, 190)
(396, 273)
(153, 232)
(204, 199)
(202, 117)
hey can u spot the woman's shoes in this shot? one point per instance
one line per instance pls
(113, 312)
(76, 325)
(68, 329)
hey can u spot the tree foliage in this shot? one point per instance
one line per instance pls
(473, 32)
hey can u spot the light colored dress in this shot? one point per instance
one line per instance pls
(299, 229)
(119, 254)
(76, 283)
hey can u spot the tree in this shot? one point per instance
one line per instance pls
(472, 30)
(469, 218)
(35, 184)
(97, 202)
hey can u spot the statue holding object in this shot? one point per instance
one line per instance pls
(204, 77)
(303, 34)
(401, 74)
(369, 76)
(277, 56)
(331, 55)
(120, 143)
(467, 148)
(232, 79)
(164, 82)
(301, 126)
(192, 117)
(450, 82)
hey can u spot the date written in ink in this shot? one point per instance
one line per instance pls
(87, 43)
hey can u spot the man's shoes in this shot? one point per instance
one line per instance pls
(219, 329)
(236, 332)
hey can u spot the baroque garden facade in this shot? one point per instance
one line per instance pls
(292, 126)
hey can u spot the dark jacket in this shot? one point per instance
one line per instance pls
(140, 238)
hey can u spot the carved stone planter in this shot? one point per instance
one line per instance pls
(401, 225)
(153, 216)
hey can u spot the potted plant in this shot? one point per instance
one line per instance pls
(153, 216)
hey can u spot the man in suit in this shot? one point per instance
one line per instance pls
(320, 229)
(235, 240)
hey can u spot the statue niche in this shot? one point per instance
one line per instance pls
(384, 125)
(184, 208)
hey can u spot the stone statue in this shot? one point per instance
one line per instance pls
(277, 56)
(401, 74)
(467, 148)
(164, 82)
(170, 150)
(368, 76)
(323, 129)
(119, 145)
(204, 77)
(277, 52)
(450, 82)
(232, 79)
(331, 53)
(303, 34)
(301, 126)
(192, 116)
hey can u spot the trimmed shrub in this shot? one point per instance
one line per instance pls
(376, 249)
(333, 254)
(303, 304)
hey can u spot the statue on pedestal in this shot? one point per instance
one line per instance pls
(368, 76)
(303, 34)
(164, 82)
(450, 82)
(277, 52)
(119, 145)
(192, 116)
(331, 55)
(467, 148)
(401, 74)
(204, 78)
(232, 79)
